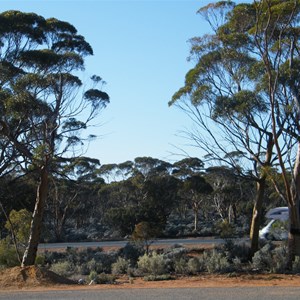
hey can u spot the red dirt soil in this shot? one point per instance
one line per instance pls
(35, 278)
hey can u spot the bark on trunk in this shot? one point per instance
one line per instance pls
(294, 235)
(196, 219)
(294, 213)
(36, 223)
(257, 215)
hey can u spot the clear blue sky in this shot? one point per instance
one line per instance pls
(140, 50)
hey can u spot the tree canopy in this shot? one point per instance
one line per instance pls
(42, 114)
(245, 81)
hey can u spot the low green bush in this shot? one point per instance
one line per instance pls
(214, 262)
(64, 268)
(296, 265)
(106, 278)
(121, 266)
(181, 266)
(225, 229)
(262, 259)
(40, 260)
(152, 264)
(194, 266)
(8, 256)
(132, 252)
(158, 277)
(279, 256)
(232, 250)
(93, 276)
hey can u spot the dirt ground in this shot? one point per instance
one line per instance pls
(35, 278)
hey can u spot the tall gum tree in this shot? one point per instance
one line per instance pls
(273, 33)
(277, 39)
(267, 33)
(42, 113)
(220, 97)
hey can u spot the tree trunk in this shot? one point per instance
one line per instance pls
(257, 215)
(294, 213)
(37, 218)
(196, 218)
(294, 236)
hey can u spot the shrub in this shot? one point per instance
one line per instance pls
(8, 256)
(177, 251)
(20, 220)
(214, 262)
(296, 265)
(279, 258)
(94, 265)
(93, 276)
(158, 277)
(237, 264)
(194, 266)
(262, 259)
(106, 278)
(132, 252)
(144, 233)
(175, 259)
(234, 250)
(83, 269)
(121, 266)
(40, 260)
(154, 264)
(64, 268)
(226, 229)
(181, 266)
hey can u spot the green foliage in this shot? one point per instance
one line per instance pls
(64, 268)
(43, 116)
(296, 265)
(242, 104)
(94, 265)
(225, 229)
(131, 252)
(262, 259)
(152, 264)
(194, 266)
(181, 266)
(121, 266)
(235, 250)
(93, 276)
(214, 262)
(20, 226)
(8, 256)
(106, 278)
(81, 261)
(144, 233)
(101, 278)
(271, 259)
(158, 277)
(40, 260)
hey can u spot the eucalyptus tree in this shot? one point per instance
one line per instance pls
(147, 193)
(183, 170)
(73, 194)
(149, 166)
(44, 108)
(273, 32)
(116, 172)
(197, 191)
(230, 113)
(187, 167)
(231, 193)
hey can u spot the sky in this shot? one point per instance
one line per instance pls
(140, 50)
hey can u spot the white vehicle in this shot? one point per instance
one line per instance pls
(277, 226)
